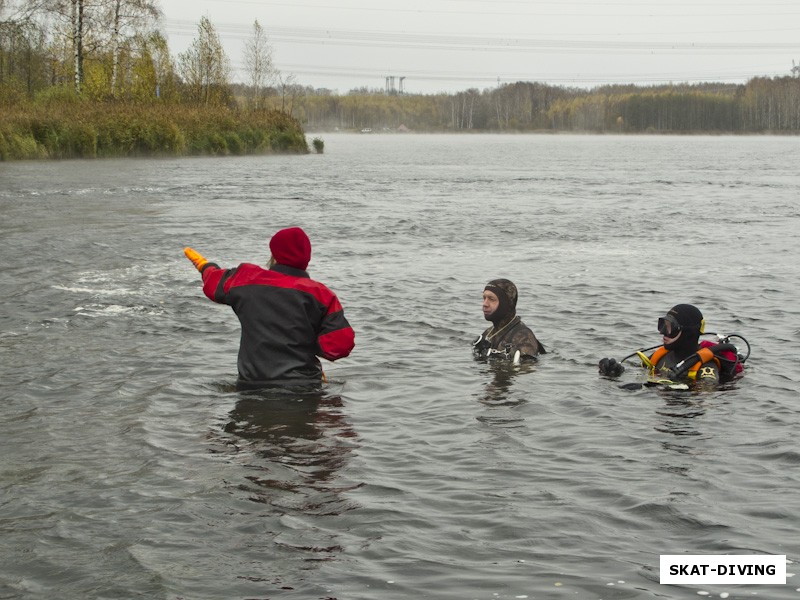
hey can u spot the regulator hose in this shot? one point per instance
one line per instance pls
(704, 355)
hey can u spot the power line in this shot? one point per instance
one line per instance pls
(188, 26)
(450, 76)
(317, 36)
(753, 8)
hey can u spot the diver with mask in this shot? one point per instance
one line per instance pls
(683, 357)
(508, 337)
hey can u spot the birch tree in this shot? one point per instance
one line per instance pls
(258, 62)
(127, 18)
(152, 75)
(205, 67)
(166, 84)
(78, 28)
(70, 20)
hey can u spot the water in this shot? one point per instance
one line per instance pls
(131, 468)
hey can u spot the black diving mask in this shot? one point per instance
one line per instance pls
(668, 326)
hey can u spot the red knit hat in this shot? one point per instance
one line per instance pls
(291, 247)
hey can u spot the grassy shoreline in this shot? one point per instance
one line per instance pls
(111, 130)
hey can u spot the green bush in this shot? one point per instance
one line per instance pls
(25, 147)
(79, 141)
(171, 139)
(19, 146)
(288, 141)
(319, 145)
(46, 135)
(59, 96)
(234, 143)
(216, 144)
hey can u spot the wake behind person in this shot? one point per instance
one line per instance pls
(508, 337)
(287, 318)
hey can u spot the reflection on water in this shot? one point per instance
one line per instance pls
(679, 412)
(503, 373)
(292, 446)
(499, 394)
(682, 415)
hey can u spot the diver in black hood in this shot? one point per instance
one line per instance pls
(683, 355)
(508, 337)
(681, 328)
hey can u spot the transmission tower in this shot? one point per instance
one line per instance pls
(391, 90)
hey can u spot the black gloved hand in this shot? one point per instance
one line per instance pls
(610, 367)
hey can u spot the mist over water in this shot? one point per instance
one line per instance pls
(132, 468)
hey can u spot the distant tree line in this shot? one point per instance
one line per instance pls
(760, 105)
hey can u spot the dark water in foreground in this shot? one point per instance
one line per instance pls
(131, 469)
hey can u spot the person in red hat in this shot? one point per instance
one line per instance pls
(288, 320)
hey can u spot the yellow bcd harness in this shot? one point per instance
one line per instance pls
(705, 354)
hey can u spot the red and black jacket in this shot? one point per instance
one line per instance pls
(287, 320)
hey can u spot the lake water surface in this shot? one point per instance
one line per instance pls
(132, 469)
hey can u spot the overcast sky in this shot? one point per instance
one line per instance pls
(454, 45)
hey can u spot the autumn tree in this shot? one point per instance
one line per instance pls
(23, 62)
(73, 23)
(258, 62)
(125, 19)
(289, 90)
(150, 72)
(205, 67)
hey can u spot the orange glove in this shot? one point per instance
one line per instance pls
(198, 260)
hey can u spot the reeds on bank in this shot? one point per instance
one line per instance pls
(81, 129)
